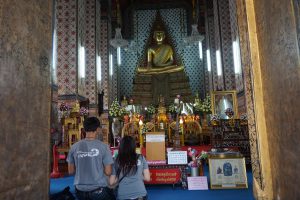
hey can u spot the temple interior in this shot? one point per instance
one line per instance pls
(209, 74)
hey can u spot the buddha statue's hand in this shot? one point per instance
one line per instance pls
(169, 63)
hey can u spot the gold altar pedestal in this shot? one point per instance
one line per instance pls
(147, 88)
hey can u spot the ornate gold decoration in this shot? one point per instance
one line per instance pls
(76, 107)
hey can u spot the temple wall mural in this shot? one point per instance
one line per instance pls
(66, 29)
(90, 41)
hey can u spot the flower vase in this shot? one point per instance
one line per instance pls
(195, 171)
(116, 129)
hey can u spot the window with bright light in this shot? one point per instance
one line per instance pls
(54, 49)
(98, 61)
(81, 62)
(119, 56)
(111, 72)
(236, 57)
(219, 63)
(200, 50)
(208, 60)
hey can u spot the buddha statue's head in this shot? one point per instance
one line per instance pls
(159, 33)
(159, 36)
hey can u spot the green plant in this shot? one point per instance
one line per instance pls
(123, 112)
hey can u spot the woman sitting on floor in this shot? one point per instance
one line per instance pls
(129, 172)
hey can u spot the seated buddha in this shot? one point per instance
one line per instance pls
(160, 57)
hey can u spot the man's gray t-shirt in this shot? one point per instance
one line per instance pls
(90, 157)
(132, 186)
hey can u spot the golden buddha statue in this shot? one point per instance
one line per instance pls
(159, 56)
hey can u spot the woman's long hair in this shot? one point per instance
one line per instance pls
(127, 157)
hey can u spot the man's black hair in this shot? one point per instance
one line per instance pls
(91, 124)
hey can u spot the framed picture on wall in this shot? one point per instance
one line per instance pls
(227, 173)
(221, 100)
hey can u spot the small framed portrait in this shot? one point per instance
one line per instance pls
(228, 172)
(222, 100)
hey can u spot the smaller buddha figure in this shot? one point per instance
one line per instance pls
(131, 101)
(124, 102)
(177, 100)
(197, 100)
(223, 103)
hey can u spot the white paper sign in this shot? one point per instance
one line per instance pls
(169, 149)
(155, 138)
(197, 183)
(177, 157)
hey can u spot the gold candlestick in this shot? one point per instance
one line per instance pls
(141, 133)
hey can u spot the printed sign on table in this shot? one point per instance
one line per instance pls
(177, 157)
(197, 183)
(155, 138)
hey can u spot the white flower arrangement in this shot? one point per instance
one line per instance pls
(123, 112)
(206, 105)
(151, 109)
(114, 109)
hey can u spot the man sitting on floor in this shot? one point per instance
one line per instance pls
(90, 160)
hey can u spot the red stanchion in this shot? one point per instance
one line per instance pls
(55, 171)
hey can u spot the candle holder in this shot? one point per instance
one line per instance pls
(141, 126)
(178, 109)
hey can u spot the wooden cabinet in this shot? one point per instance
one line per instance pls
(232, 133)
